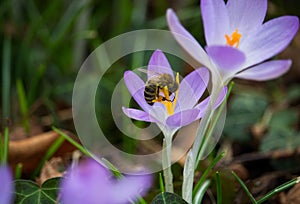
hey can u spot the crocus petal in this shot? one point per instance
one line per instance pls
(215, 21)
(137, 114)
(204, 104)
(158, 112)
(6, 185)
(87, 183)
(136, 88)
(266, 71)
(228, 59)
(129, 188)
(246, 15)
(272, 37)
(158, 64)
(185, 39)
(183, 118)
(191, 88)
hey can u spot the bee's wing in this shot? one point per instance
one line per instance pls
(150, 74)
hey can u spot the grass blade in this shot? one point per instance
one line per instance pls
(18, 171)
(6, 76)
(50, 152)
(23, 104)
(73, 142)
(279, 189)
(161, 183)
(207, 170)
(244, 188)
(219, 188)
(200, 193)
(5, 146)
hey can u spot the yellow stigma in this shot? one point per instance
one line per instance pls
(170, 105)
(234, 39)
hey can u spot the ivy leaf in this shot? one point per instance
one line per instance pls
(244, 110)
(168, 198)
(281, 134)
(28, 192)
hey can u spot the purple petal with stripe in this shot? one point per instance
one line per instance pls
(229, 60)
(136, 87)
(272, 37)
(185, 39)
(137, 114)
(266, 71)
(159, 64)
(215, 21)
(246, 15)
(183, 118)
(192, 88)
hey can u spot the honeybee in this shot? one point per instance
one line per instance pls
(155, 86)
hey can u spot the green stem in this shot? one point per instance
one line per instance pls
(203, 126)
(214, 122)
(166, 163)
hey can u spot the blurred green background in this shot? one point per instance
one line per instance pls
(43, 45)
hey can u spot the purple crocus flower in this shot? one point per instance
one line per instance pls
(7, 187)
(182, 108)
(91, 183)
(238, 41)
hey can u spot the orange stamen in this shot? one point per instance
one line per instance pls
(234, 39)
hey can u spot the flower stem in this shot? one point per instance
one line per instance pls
(166, 163)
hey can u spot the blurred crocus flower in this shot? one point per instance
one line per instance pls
(180, 108)
(7, 187)
(91, 183)
(238, 40)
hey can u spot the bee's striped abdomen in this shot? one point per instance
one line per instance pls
(150, 93)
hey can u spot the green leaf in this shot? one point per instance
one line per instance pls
(244, 111)
(168, 198)
(28, 192)
(285, 119)
(280, 139)
(281, 134)
(293, 93)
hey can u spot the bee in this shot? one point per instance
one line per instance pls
(155, 86)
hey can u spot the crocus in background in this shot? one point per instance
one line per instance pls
(7, 187)
(176, 111)
(91, 183)
(238, 41)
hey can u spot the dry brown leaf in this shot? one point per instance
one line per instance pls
(29, 151)
(51, 170)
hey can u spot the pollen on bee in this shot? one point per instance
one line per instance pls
(165, 97)
(234, 39)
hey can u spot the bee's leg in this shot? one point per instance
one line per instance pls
(166, 93)
(165, 99)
